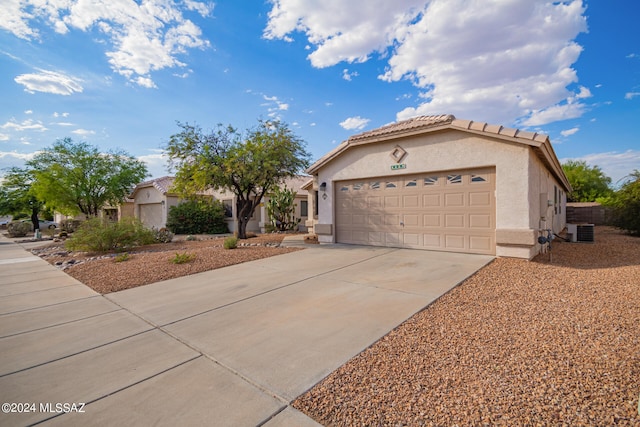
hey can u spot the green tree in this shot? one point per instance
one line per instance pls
(17, 195)
(77, 178)
(249, 166)
(588, 182)
(626, 204)
(281, 209)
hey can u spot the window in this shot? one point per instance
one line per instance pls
(412, 183)
(358, 186)
(304, 208)
(375, 185)
(454, 179)
(315, 205)
(390, 185)
(478, 178)
(431, 180)
(344, 188)
(228, 208)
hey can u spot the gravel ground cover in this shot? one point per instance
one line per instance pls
(518, 344)
(153, 263)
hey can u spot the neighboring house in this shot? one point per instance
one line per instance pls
(259, 220)
(439, 183)
(152, 200)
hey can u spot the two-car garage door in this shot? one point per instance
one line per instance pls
(446, 211)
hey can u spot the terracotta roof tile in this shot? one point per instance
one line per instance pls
(420, 122)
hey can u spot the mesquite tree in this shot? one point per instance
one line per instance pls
(248, 165)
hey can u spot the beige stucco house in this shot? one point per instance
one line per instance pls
(152, 200)
(439, 183)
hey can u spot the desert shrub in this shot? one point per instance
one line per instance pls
(230, 243)
(162, 235)
(70, 225)
(183, 258)
(97, 235)
(18, 228)
(122, 257)
(626, 205)
(198, 216)
(191, 238)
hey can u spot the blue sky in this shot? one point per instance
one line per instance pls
(119, 74)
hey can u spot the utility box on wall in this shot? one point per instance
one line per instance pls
(545, 203)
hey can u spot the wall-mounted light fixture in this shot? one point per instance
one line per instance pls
(323, 190)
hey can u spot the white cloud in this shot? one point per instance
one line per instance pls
(4, 137)
(569, 132)
(50, 82)
(631, 95)
(487, 60)
(349, 76)
(10, 159)
(28, 112)
(83, 132)
(274, 105)
(156, 163)
(616, 165)
(141, 37)
(354, 123)
(25, 125)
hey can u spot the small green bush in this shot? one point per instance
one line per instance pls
(97, 235)
(18, 228)
(183, 258)
(198, 216)
(230, 243)
(122, 257)
(70, 225)
(162, 236)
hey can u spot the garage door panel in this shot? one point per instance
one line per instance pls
(359, 203)
(375, 237)
(410, 220)
(454, 199)
(358, 219)
(392, 219)
(375, 220)
(431, 200)
(480, 221)
(431, 220)
(411, 239)
(454, 220)
(480, 199)
(480, 243)
(449, 211)
(392, 239)
(454, 241)
(431, 241)
(360, 236)
(374, 202)
(391, 201)
(410, 201)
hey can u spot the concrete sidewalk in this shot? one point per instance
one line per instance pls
(232, 346)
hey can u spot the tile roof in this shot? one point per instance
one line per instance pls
(161, 184)
(424, 124)
(413, 124)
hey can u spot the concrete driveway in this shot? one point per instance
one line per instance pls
(228, 347)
